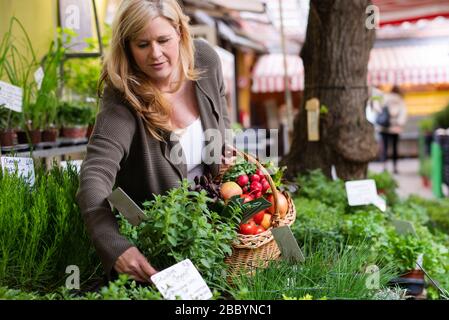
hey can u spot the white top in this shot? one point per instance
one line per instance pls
(192, 140)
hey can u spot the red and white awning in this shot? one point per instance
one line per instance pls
(268, 74)
(399, 11)
(412, 65)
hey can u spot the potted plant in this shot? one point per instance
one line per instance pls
(403, 251)
(8, 120)
(386, 185)
(75, 118)
(425, 171)
(19, 65)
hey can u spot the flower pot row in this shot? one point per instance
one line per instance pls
(11, 137)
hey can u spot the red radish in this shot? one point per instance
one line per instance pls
(254, 177)
(243, 180)
(265, 186)
(259, 172)
(256, 186)
(258, 194)
(245, 189)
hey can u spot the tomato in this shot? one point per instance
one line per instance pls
(258, 217)
(259, 229)
(248, 229)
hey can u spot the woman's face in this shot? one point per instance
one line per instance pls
(156, 51)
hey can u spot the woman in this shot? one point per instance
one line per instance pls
(397, 118)
(159, 85)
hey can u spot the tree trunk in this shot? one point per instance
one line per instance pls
(335, 56)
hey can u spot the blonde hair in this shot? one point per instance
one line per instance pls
(118, 69)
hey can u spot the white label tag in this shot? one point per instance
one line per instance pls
(38, 77)
(364, 192)
(76, 163)
(11, 96)
(182, 281)
(25, 167)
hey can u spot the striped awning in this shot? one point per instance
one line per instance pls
(268, 74)
(413, 65)
(400, 65)
(399, 11)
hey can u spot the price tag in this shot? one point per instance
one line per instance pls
(182, 281)
(403, 227)
(287, 243)
(126, 206)
(364, 192)
(11, 96)
(24, 167)
(38, 77)
(313, 119)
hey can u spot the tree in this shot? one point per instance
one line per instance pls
(335, 56)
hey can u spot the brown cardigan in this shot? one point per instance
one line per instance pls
(121, 153)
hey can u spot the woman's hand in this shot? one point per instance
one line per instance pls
(133, 263)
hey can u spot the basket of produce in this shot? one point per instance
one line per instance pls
(248, 181)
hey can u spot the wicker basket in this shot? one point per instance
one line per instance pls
(253, 251)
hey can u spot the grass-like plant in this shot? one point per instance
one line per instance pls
(41, 231)
(328, 272)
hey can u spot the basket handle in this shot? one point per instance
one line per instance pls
(249, 158)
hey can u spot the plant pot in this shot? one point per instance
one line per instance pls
(22, 137)
(413, 281)
(426, 182)
(8, 138)
(35, 136)
(50, 135)
(74, 132)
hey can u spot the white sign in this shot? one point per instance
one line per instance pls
(182, 281)
(11, 96)
(38, 77)
(24, 167)
(364, 192)
(75, 163)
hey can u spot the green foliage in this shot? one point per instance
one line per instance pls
(425, 168)
(323, 217)
(121, 289)
(44, 111)
(179, 225)
(41, 231)
(437, 211)
(441, 118)
(240, 167)
(333, 272)
(426, 125)
(386, 185)
(316, 185)
(76, 114)
(18, 63)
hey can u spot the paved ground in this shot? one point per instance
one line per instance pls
(408, 178)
